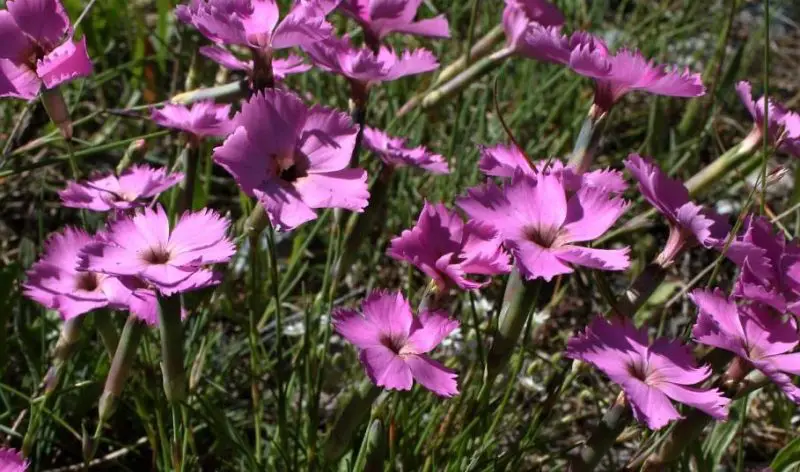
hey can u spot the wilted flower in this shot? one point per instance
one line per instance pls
(393, 343)
(770, 266)
(293, 64)
(688, 223)
(55, 282)
(380, 18)
(37, 48)
(173, 260)
(293, 158)
(506, 160)
(204, 118)
(119, 193)
(393, 152)
(447, 250)
(649, 374)
(614, 74)
(12, 461)
(521, 15)
(783, 125)
(540, 224)
(362, 66)
(751, 332)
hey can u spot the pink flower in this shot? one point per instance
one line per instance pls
(379, 18)
(540, 224)
(615, 74)
(119, 193)
(393, 152)
(689, 223)
(12, 461)
(770, 266)
(751, 332)
(56, 282)
(393, 343)
(521, 15)
(255, 23)
(294, 159)
(293, 64)
(506, 160)
(361, 65)
(446, 249)
(783, 125)
(649, 374)
(37, 48)
(204, 118)
(173, 260)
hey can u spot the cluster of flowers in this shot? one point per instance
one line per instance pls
(540, 219)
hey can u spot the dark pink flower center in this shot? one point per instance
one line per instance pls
(156, 255)
(393, 343)
(543, 236)
(291, 167)
(87, 281)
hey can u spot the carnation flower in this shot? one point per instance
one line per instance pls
(521, 15)
(393, 343)
(127, 191)
(506, 160)
(38, 49)
(12, 461)
(256, 23)
(293, 64)
(540, 224)
(380, 18)
(649, 374)
(689, 223)
(56, 282)
(363, 66)
(393, 152)
(172, 260)
(294, 159)
(614, 74)
(751, 332)
(204, 118)
(783, 125)
(447, 250)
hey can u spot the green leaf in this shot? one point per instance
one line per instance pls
(788, 458)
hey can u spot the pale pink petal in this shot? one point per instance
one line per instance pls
(428, 331)
(718, 323)
(590, 213)
(650, 406)
(386, 369)
(290, 65)
(283, 204)
(535, 261)
(197, 280)
(390, 312)
(672, 361)
(766, 333)
(433, 376)
(346, 189)
(45, 21)
(775, 368)
(436, 27)
(12, 461)
(411, 63)
(503, 161)
(225, 58)
(541, 202)
(18, 81)
(241, 157)
(601, 259)
(328, 139)
(710, 402)
(356, 329)
(305, 24)
(64, 63)
(201, 236)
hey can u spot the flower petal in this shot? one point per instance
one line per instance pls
(433, 376)
(67, 62)
(386, 369)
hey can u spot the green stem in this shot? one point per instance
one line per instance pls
(588, 140)
(191, 160)
(57, 110)
(67, 339)
(227, 92)
(372, 448)
(354, 414)
(275, 283)
(107, 330)
(611, 426)
(120, 368)
(169, 323)
(475, 72)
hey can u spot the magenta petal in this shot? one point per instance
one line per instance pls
(292, 64)
(305, 24)
(45, 21)
(14, 44)
(711, 401)
(225, 58)
(503, 160)
(433, 376)
(650, 405)
(201, 236)
(386, 369)
(345, 188)
(356, 329)
(391, 312)
(285, 207)
(436, 27)
(12, 461)
(428, 331)
(535, 261)
(590, 213)
(601, 259)
(18, 81)
(65, 63)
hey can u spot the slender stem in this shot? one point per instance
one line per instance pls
(231, 91)
(588, 140)
(57, 110)
(171, 327)
(359, 96)
(275, 283)
(192, 158)
(469, 76)
(611, 426)
(354, 414)
(108, 333)
(262, 77)
(765, 124)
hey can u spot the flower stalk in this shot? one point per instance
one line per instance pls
(611, 426)
(120, 368)
(229, 92)
(108, 333)
(191, 162)
(354, 414)
(65, 346)
(169, 323)
(57, 110)
(588, 140)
